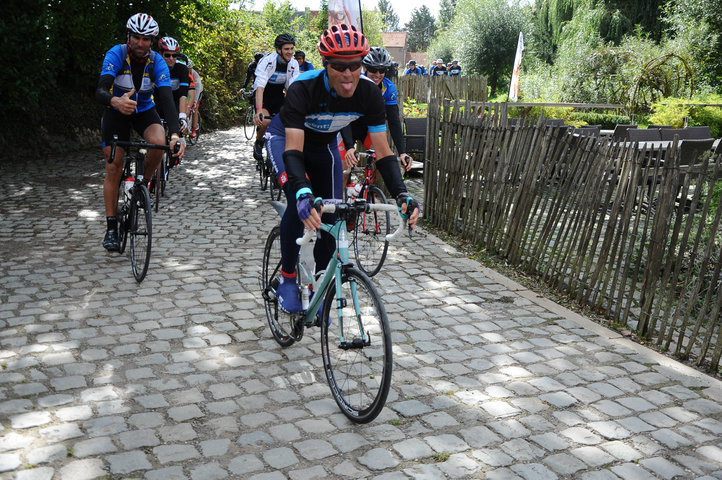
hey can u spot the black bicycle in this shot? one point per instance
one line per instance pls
(134, 205)
(268, 177)
(249, 127)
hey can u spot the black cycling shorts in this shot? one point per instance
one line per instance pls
(115, 123)
(273, 99)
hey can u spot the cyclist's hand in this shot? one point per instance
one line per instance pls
(350, 159)
(406, 161)
(241, 91)
(183, 124)
(308, 208)
(174, 140)
(258, 118)
(125, 104)
(408, 208)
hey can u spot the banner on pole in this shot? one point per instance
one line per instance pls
(514, 85)
(345, 11)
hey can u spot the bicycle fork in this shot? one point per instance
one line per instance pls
(341, 302)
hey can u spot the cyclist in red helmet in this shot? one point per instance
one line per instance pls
(302, 146)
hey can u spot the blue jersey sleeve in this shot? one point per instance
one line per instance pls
(113, 62)
(391, 95)
(160, 71)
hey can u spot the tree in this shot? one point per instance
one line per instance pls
(388, 16)
(487, 36)
(421, 28)
(447, 12)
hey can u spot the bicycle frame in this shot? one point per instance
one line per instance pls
(339, 260)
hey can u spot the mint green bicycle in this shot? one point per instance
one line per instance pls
(355, 335)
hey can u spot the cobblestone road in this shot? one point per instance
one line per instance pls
(179, 378)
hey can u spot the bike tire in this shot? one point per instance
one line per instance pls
(249, 128)
(163, 174)
(274, 187)
(266, 170)
(358, 372)
(191, 140)
(280, 323)
(369, 236)
(122, 217)
(157, 175)
(140, 232)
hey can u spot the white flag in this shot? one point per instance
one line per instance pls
(514, 86)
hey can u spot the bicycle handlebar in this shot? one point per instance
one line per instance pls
(125, 143)
(367, 207)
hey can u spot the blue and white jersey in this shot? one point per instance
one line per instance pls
(312, 106)
(155, 72)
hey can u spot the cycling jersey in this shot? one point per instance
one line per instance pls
(179, 81)
(305, 66)
(439, 70)
(455, 70)
(389, 92)
(119, 68)
(413, 71)
(271, 72)
(311, 106)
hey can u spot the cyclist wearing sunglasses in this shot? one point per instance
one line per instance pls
(125, 87)
(376, 63)
(274, 74)
(179, 80)
(302, 146)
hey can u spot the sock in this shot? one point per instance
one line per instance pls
(287, 276)
(112, 223)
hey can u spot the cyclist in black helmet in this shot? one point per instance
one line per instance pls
(274, 74)
(251, 71)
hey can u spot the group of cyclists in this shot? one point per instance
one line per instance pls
(438, 68)
(301, 115)
(139, 86)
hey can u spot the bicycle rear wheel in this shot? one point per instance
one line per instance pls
(281, 324)
(266, 171)
(369, 237)
(157, 189)
(249, 128)
(191, 140)
(140, 232)
(274, 186)
(356, 349)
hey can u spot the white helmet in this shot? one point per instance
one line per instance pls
(142, 24)
(168, 43)
(439, 61)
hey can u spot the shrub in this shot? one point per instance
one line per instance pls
(606, 120)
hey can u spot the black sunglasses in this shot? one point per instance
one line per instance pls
(376, 69)
(342, 66)
(168, 55)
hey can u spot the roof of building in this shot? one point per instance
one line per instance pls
(393, 39)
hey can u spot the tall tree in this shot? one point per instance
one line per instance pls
(421, 28)
(487, 35)
(388, 16)
(447, 11)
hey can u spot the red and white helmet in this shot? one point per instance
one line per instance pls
(142, 24)
(169, 44)
(342, 41)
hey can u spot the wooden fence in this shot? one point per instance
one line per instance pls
(423, 87)
(636, 240)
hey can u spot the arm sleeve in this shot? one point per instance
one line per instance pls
(397, 134)
(184, 82)
(347, 137)
(389, 169)
(102, 91)
(166, 103)
(296, 170)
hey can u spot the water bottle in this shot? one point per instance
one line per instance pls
(127, 186)
(305, 296)
(353, 190)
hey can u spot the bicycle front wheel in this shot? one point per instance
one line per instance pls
(140, 232)
(369, 237)
(356, 347)
(281, 324)
(249, 128)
